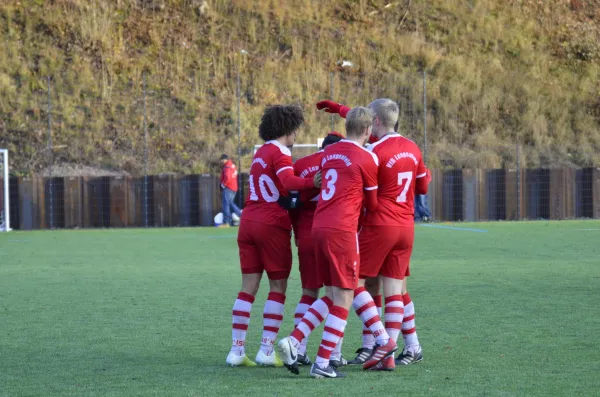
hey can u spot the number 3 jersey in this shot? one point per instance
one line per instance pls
(270, 160)
(347, 169)
(401, 169)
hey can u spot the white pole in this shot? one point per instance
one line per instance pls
(6, 192)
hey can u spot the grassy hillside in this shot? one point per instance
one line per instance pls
(499, 71)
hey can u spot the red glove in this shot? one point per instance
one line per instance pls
(333, 107)
(373, 139)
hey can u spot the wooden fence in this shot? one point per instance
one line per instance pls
(194, 200)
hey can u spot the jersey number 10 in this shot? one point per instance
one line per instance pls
(270, 195)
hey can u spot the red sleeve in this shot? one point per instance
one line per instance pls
(344, 111)
(291, 182)
(285, 172)
(422, 183)
(370, 181)
(423, 177)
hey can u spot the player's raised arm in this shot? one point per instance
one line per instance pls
(333, 107)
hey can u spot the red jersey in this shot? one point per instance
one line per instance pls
(229, 176)
(348, 170)
(307, 167)
(401, 168)
(265, 187)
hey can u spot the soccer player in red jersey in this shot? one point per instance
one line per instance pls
(386, 238)
(302, 220)
(349, 176)
(265, 232)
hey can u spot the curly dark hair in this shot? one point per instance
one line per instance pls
(280, 120)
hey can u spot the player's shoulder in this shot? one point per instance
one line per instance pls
(309, 159)
(394, 142)
(365, 154)
(276, 148)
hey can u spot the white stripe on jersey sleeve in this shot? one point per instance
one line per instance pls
(372, 188)
(421, 175)
(284, 168)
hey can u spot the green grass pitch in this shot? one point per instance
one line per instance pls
(511, 311)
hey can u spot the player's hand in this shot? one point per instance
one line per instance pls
(317, 179)
(428, 177)
(329, 106)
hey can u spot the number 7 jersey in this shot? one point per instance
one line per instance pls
(401, 169)
(347, 169)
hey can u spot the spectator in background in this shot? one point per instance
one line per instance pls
(229, 187)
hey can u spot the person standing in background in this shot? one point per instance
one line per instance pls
(229, 187)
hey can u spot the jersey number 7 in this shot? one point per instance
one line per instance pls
(402, 178)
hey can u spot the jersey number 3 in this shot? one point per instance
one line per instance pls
(330, 177)
(270, 195)
(404, 180)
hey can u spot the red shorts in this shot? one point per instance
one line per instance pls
(386, 251)
(336, 253)
(309, 272)
(265, 248)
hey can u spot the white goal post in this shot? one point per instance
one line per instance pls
(4, 192)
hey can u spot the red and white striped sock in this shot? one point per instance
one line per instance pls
(242, 308)
(394, 313)
(272, 318)
(365, 308)
(409, 329)
(368, 340)
(332, 333)
(336, 354)
(315, 315)
(303, 305)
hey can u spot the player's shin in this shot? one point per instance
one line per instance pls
(313, 317)
(272, 318)
(366, 310)
(305, 302)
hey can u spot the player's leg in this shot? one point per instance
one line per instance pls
(311, 285)
(276, 254)
(251, 275)
(412, 353)
(373, 287)
(373, 249)
(289, 346)
(333, 331)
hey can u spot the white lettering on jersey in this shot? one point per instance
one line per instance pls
(399, 156)
(260, 161)
(336, 156)
(307, 171)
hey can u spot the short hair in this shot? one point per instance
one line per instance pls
(386, 110)
(224, 157)
(280, 120)
(332, 137)
(358, 119)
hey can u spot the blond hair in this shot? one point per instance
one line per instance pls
(358, 119)
(386, 110)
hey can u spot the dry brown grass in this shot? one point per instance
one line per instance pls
(499, 72)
